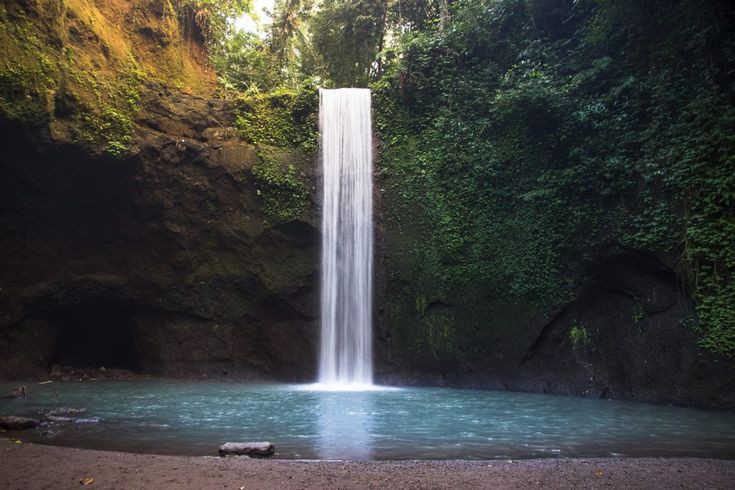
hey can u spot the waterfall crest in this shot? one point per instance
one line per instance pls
(347, 237)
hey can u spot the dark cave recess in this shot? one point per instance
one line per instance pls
(96, 333)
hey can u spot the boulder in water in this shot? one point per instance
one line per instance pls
(252, 449)
(13, 422)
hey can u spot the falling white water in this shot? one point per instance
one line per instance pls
(347, 238)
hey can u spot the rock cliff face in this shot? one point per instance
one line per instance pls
(133, 227)
(162, 261)
(625, 335)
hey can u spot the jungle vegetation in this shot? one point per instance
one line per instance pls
(519, 137)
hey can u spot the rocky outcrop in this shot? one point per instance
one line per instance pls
(13, 422)
(252, 449)
(133, 229)
(627, 336)
(161, 261)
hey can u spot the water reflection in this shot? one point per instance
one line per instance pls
(345, 425)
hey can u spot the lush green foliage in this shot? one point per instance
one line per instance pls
(282, 125)
(521, 139)
(213, 18)
(528, 136)
(284, 58)
(284, 117)
(334, 42)
(246, 64)
(348, 36)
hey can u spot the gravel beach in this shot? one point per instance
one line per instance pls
(31, 466)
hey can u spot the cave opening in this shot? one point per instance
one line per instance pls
(97, 333)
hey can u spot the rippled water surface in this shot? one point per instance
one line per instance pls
(168, 417)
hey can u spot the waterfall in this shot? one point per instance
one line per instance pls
(347, 237)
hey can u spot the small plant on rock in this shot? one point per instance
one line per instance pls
(579, 336)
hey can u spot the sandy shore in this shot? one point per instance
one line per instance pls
(30, 466)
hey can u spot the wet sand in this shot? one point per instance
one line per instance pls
(30, 466)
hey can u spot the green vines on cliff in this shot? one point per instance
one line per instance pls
(284, 117)
(529, 136)
(42, 82)
(282, 125)
(111, 123)
(27, 74)
(700, 172)
(25, 91)
(284, 192)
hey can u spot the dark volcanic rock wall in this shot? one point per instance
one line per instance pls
(625, 335)
(162, 261)
(639, 345)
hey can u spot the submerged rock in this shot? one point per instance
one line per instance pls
(19, 392)
(57, 419)
(13, 422)
(66, 411)
(68, 415)
(252, 449)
